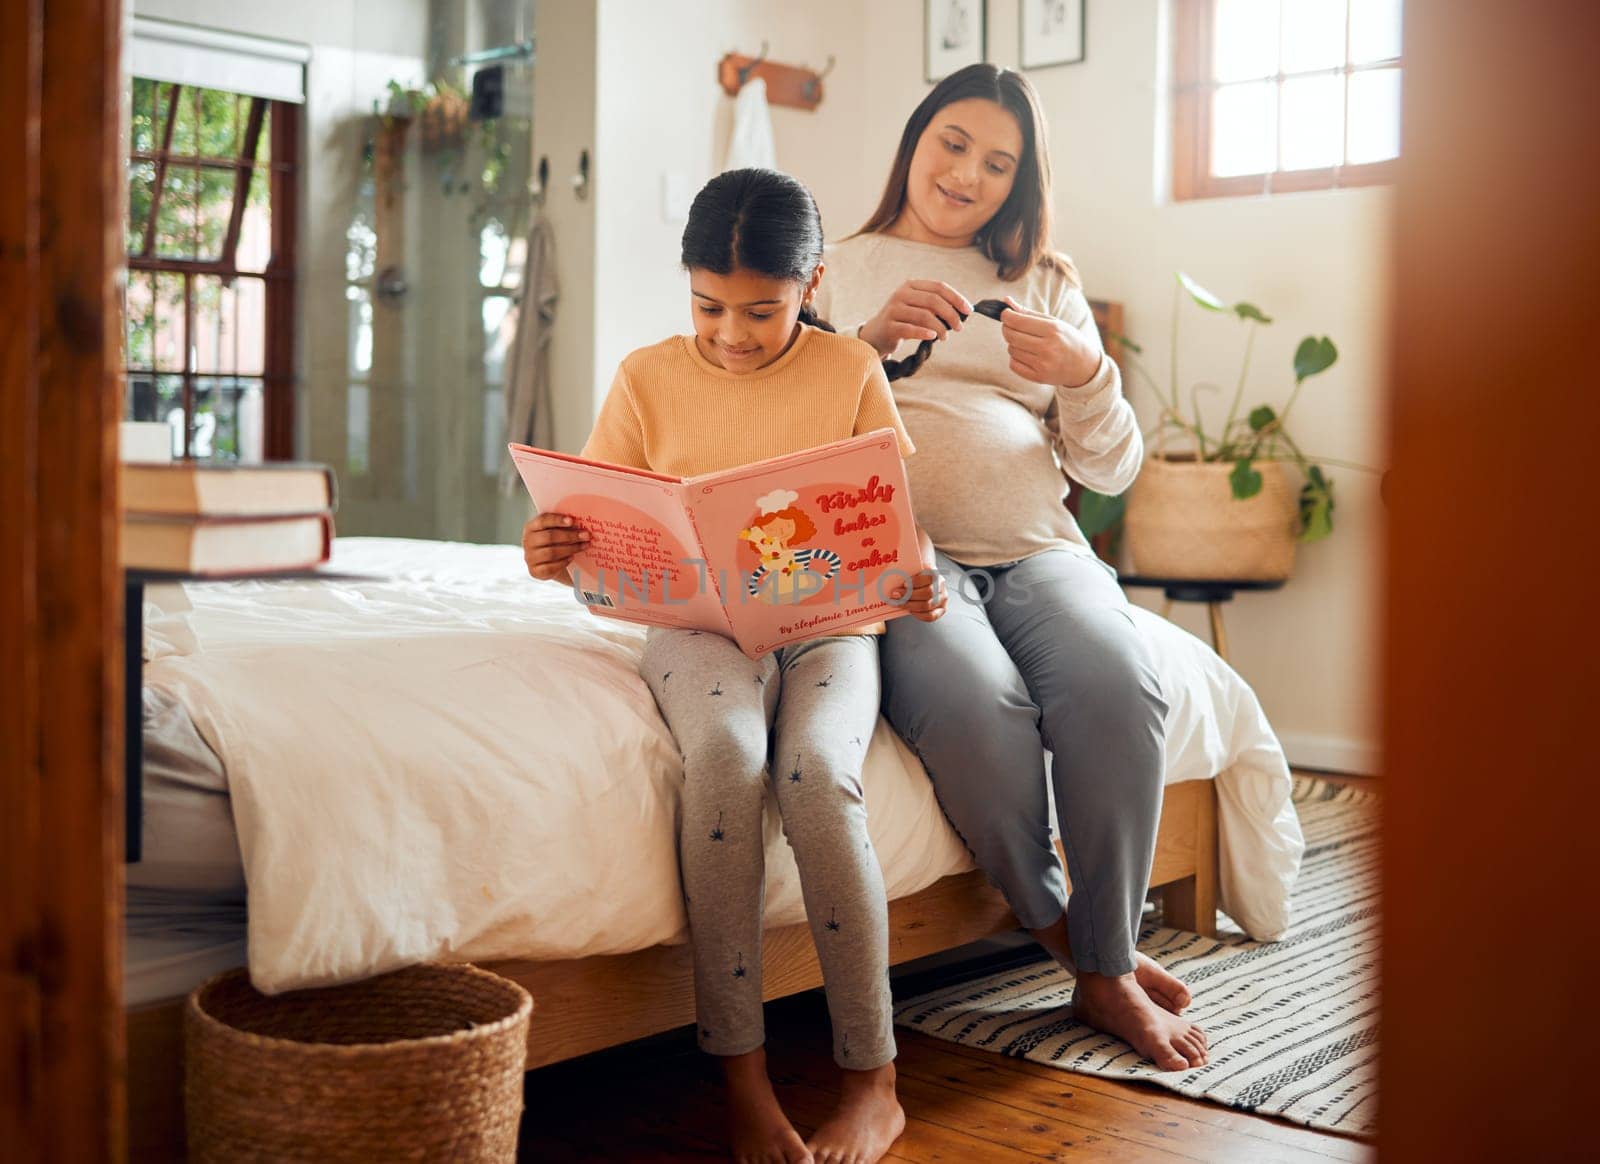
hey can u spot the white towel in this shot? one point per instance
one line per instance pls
(751, 142)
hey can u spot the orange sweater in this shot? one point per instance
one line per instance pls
(671, 410)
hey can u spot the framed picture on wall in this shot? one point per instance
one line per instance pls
(954, 36)
(1052, 33)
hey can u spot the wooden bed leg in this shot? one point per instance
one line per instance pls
(1191, 903)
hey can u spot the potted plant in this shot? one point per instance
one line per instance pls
(1225, 504)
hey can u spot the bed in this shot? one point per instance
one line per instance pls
(433, 756)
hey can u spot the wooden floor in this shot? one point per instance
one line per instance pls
(660, 1100)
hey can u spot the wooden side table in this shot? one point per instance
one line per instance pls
(1212, 593)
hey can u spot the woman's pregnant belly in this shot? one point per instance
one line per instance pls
(984, 481)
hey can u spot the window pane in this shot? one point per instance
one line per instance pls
(141, 186)
(142, 116)
(492, 252)
(215, 209)
(250, 330)
(213, 325)
(160, 398)
(1244, 42)
(139, 316)
(360, 353)
(1244, 126)
(1312, 122)
(255, 229)
(218, 127)
(175, 220)
(498, 321)
(183, 129)
(216, 420)
(357, 421)
(1374, 115)
(361, 242)
(1374, 30)
(1313, 35)
(170, 325)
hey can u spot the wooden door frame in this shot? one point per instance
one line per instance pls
(61, 253)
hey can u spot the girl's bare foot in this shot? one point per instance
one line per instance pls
(758, 1131)
(1119, 1006)
(868, 1119)
(1166, 990)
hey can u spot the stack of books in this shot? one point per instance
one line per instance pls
(189, 517)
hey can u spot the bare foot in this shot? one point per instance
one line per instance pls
(1119, 1006)
(1165, 989)
(867, 1121)
(758, 1131)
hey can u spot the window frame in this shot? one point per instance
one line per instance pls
(277, 278)
(1193, 84)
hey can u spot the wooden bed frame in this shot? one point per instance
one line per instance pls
(588, 1004)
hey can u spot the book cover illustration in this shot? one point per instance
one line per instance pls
(779, 551)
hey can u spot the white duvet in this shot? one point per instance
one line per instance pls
(452, 760)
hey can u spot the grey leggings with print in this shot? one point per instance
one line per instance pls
(816, 703)
(1035, 654)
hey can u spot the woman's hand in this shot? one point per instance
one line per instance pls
(928, 597)
(549, 543)
(919, 309)
(1047, 350)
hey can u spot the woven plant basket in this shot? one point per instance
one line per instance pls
(1184, 522)
(422, 1064)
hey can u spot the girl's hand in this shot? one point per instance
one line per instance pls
(1047, 350)
(919, 309)
(549, 543)
(928, 597)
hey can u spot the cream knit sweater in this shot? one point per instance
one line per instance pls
(989, 481)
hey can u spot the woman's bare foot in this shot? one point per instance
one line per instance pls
(1166, 990)
(1119, 1006)
(868, 1119)
(758, 1131)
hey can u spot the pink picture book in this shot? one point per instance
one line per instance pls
(776, 552)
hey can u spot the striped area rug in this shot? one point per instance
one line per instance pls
(1292, 1025)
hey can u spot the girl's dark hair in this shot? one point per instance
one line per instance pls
(1018, 236)
(764, 221)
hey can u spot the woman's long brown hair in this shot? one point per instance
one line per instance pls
(1018, 236)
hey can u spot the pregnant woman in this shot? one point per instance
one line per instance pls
(1037, 648)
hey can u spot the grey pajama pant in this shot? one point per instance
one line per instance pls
(1040, 653)
(817, 703)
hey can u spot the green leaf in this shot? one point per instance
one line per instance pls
(1200, 295)
(1097, 512)
(1251, 311)
(1246, 481)
(1261, 416)
(1126, 342)
(1312, 356)
(1316, 506)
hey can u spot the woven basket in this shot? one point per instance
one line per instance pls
(1184, 522)
(422, 1064)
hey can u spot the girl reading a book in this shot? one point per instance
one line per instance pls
(758, 379)
(1001, 416)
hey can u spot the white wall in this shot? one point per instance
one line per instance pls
(1315, 261)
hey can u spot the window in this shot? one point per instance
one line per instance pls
(209, 298)
(1272, 96)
